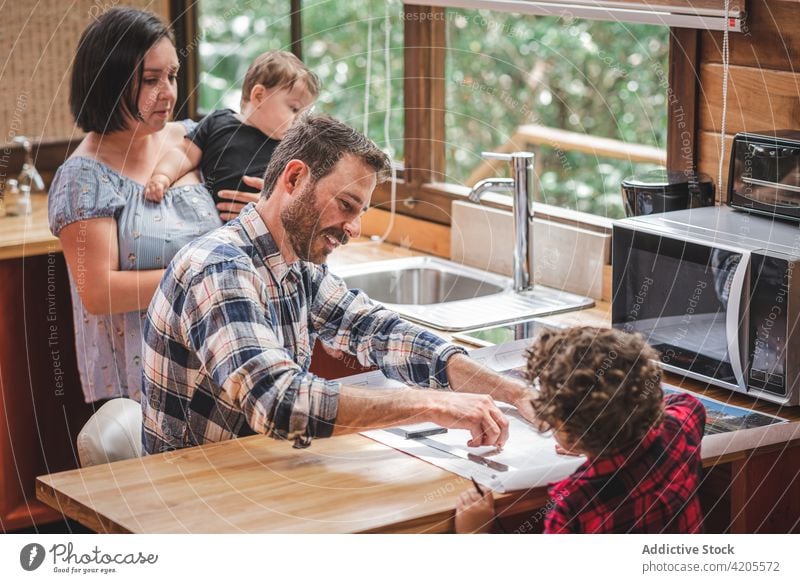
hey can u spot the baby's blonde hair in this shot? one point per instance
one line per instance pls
(279, 69)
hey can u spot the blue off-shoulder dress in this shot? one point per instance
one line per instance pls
(109, 347)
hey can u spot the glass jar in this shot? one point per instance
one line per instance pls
(18, 199)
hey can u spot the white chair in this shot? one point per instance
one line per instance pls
(113, 433)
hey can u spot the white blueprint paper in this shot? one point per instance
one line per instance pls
(530, 456)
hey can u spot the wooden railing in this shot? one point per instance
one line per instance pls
(567, 141)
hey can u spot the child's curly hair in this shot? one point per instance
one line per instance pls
(601, 386)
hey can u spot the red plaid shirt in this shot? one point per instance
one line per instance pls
(648, 488)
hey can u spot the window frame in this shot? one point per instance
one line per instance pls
(420, 190)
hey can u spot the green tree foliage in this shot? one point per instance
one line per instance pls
(231, 34)
(340, 39)
(337, 45)
(594, 78)
(503, 70)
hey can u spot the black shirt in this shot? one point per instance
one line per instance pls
(231, 150)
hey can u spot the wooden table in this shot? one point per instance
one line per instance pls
(353, 484)
(343, 484)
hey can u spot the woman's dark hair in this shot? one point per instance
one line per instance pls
(108, 67)
(320, 141)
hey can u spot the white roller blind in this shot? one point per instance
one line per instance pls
(701, 14)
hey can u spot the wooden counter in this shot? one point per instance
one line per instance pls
(29, 235)
(353, 484)
(338, 485)
(41, 403)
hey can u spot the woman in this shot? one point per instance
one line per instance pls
(115, 242)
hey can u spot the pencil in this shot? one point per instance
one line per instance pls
(477, 486)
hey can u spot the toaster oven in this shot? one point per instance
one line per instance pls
(764, 173)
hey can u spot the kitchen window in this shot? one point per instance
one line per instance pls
(356, 48)
(446, 84)
(588, 97)
(349, 44)
(231, 33)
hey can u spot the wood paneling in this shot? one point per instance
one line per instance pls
(772, 39)
(682, 101)
(424, 94)
(765, 491)
(758, 99)
(296, 19)
(708, 150)
(183, 19)
(763, 85)
(40, 393)
(334, 366)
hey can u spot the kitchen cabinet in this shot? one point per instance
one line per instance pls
(41, 403)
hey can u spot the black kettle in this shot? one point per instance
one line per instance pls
(660, 191)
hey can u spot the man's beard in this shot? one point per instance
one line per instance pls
(301, 224)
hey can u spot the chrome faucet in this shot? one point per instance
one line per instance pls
(521, 187)
(29, 175)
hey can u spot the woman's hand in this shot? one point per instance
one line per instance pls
(231, 210)
(474, 512)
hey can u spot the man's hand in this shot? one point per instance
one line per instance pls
(477, 413)
(467, 376)
(156, 187)
(474, 513)
(231, 210)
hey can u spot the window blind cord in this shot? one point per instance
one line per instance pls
(387, 28)
(725, 67)
(368, 77)
(388, 149)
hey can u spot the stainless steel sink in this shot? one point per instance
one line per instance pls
(449, 296)
(422, 285)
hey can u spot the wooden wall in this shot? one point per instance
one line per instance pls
(763, 82)
(37, 43)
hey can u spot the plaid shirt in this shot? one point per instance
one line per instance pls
(649, 488)
(228, 342)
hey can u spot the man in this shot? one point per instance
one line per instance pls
(229, 333)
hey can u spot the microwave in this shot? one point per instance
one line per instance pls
(764, 174)
(715, 292)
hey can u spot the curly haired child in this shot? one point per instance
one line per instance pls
(599, 392)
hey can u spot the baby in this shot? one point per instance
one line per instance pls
(228, 146)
